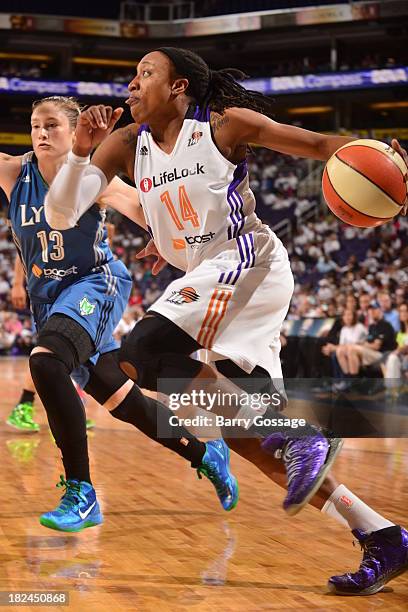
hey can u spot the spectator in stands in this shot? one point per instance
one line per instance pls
(126, 324)
(325, 291)
(332, 245)
(390, 314)
(152, 294)
(12, 324)
(4, 286)
(24, 341)
(352, 332)
(363, 308)
(397, 361)
(380, 339)
(6, 338)
(400, 296)
(325, 264)
(136, 297)
(351, 302)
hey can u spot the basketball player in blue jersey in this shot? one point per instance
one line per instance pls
(186, 153)
(78, 292)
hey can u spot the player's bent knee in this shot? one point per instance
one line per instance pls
(67, 339)
(129, 369)
(139, 357)
(106, 380)
(40, 349)
(45, 366)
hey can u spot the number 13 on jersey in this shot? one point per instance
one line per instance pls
(57, 253)
(186, 208)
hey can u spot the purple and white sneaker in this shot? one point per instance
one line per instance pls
(385, 557)
(307, 461)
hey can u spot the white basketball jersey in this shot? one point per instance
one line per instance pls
(196, 203)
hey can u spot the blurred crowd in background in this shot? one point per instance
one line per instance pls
(357, 278)
(273, 66)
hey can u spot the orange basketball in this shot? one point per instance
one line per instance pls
(365, 183)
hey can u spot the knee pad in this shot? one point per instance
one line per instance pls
(46, 365)
(67, 339)
(105, 378)
(139, 356)
(156, 347)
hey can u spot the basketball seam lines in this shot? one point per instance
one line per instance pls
(350, 165)
(352, 207)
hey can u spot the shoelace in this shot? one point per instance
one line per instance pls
(212, 474)
(293, 463)
(24, 412)
(370, 560)
(72, 493)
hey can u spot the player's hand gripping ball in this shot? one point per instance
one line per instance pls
(365, 182)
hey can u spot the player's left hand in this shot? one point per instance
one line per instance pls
(18, 297)
(397, 147)
(94, 125)
(151, 249)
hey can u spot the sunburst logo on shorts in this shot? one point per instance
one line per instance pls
(146, 184)
(179, 244)
(36, 270)
(183, 296)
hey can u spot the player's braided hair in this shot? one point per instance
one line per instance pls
(218, 89)
(66, 104)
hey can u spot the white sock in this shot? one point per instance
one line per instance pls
(350, 510)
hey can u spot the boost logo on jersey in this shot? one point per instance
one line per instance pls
(183, 296)
(53, 273)
(195, 241)
(36, 270)
(169, 177)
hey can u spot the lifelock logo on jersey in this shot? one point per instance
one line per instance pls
(168, 177)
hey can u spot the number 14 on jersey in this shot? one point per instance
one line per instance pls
(186, 208)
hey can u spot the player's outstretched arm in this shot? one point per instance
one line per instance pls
(244, 126)
(79, 182)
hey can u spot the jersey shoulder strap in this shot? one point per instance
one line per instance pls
(27, 158)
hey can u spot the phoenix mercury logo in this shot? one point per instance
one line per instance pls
(168, 177)
(186, 295)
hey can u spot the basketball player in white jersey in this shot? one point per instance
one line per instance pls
(186, 154)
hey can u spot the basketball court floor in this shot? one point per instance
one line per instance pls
(166, 543)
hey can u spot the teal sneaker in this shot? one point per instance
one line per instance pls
(77, 510)
(21, 418)
(215, 466)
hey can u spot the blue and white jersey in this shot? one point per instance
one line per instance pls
(54, 260)
(197, 204)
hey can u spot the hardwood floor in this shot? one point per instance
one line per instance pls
(166, 543)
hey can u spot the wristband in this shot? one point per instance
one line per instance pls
(78, 160)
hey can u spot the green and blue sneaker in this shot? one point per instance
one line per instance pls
(77, 510)
(21, 418)
(215, 466)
